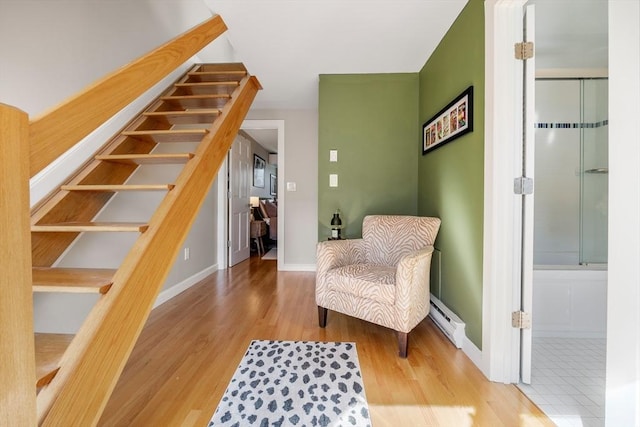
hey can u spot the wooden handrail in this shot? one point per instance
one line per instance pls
(57, 130)
(17, 362)
(96, 357)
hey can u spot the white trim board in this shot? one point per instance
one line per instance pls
(503, 104)
(297, 267)
(178, 288)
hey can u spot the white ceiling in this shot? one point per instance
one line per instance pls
(287, 44)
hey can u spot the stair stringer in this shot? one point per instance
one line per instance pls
(92, 364)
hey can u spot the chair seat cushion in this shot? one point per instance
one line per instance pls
(371, 281)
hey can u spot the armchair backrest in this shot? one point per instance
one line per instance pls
(388, 238)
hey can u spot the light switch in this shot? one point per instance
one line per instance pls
(333, 180)
(333, 155)
(291, 186)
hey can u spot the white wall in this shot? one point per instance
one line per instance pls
(51, 49)
(299, 166)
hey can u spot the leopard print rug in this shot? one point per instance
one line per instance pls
(295, 383)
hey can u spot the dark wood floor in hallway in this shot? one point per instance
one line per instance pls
(191, 345)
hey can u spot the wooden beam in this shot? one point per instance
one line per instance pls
(57, 130)
(91, 366)
(17, 362)
(75, 280)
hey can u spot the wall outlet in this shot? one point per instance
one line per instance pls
(187, 254)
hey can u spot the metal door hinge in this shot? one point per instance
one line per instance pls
(228, 243)
(521, 320)
(523, 185)
(524, 50)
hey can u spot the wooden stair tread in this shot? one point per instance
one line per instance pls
(118, 187)
(49, 351)
(209, 101)
(85, 280)
(218, 72)
(166, 132)
(198, 112)
(168, 135)
(176, 117)
(76, 227)
(190, 87)
(207, 84)
(204, 96)
(147, 158)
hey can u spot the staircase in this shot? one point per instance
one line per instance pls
(75, 375)
(209, 99)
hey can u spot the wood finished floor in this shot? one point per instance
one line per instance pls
(191, 345)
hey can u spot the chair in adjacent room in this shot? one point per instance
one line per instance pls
(269, 211)
(383, 277)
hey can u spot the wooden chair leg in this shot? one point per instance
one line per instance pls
(260, 245)
(403, 344)
(322, 316)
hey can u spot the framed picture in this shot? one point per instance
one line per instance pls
(274, 185)
(451, 122)
(258, 171)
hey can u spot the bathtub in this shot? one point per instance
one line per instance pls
(570, 301)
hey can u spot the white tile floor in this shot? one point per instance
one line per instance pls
(568, 380)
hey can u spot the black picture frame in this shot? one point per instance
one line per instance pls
(258, 171)
(453, 121)
(274, 185)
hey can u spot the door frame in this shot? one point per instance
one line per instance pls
(623, 294)
(223, 200)
(501, 249)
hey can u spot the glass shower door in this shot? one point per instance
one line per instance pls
(595, 169)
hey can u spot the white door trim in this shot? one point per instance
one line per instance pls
(623, 294)
(501, 248)
(223, 216)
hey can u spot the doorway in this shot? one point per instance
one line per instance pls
(567, 366)
(223, 200)
(623, 322)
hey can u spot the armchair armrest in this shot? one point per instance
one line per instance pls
(333, 254)
(413, 287)
(338, 253)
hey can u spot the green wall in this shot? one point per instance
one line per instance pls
(375, 123)
(371, 120)
(450, 178)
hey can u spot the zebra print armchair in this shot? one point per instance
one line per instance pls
(383, 277)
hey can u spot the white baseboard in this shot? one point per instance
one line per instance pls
(298, 267)
(475, 354)
(178, 288)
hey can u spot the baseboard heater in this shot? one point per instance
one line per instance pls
(447, 321)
